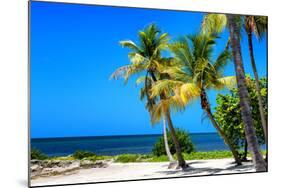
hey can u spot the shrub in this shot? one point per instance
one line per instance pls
(184, 141)
(37, 154)
(228, 114)
(83, 154)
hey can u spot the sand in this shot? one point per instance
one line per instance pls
(144, 170)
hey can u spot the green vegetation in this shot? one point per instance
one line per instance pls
(66, 158)
(184, 141)
(235, 23)
(208, 155)
(189, 69)
(83, 154)
(199, 72)
(129, 158)
(36, 154)
(146, 57)
(126, 158)
(96, 157)
(228, 115)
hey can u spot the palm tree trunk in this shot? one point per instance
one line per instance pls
(181, 160)
(206, 106)
(167, 115)
(263, 121)
(245, 151)
(251, 137)
(167, 148)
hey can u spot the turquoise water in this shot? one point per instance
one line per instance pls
(113, 145)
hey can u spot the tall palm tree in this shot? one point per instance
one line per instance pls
(146, 57)
(170, 99)
(234, 30)
(153, 120)
(252, 24)
(258, 26)
(197, 73)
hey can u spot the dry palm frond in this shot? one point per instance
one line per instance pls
(213, 23)
(164, 105)
(118, 73)
(188, 91)
(164, 86)
(130, 44)
(228, 81)
(142, 79)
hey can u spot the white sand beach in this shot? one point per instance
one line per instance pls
(144, 170)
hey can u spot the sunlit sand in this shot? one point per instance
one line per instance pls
(144, 170)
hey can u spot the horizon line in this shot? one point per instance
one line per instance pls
(113, 135)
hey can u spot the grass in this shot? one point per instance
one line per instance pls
(127, 158)
(96, 158)
(67, 158)
(207, 155)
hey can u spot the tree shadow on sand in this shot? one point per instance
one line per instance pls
(190, 171)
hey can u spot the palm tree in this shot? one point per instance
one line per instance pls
(153, 120)
(197, 73)
(146, 57)
(162, 109)
(258, 26)
(252, 24)
(234, 30)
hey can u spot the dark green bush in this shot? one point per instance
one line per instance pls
(36, 154)
(184, 141)
(83, 154)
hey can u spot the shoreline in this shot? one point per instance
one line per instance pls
(144, 170)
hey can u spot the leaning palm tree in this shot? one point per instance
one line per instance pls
(234, 25)
(252, 24)
(170, 97)
(145, 58)
(258, 26)
(198, 73)
(234, 30)
(153, 119)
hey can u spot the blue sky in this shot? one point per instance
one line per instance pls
(75, 49)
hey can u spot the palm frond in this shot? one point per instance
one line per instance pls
(183, 52)
(213, 23)
(260, 26)
(228, 81)
(130, 44)
(136, 58)
(175, 103)
(222, 60)
(189, 91)
(142, 93)
(166, 86)
(120, 72)
(141, 79)
(158, 111)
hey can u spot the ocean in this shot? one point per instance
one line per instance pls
(114, 145)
